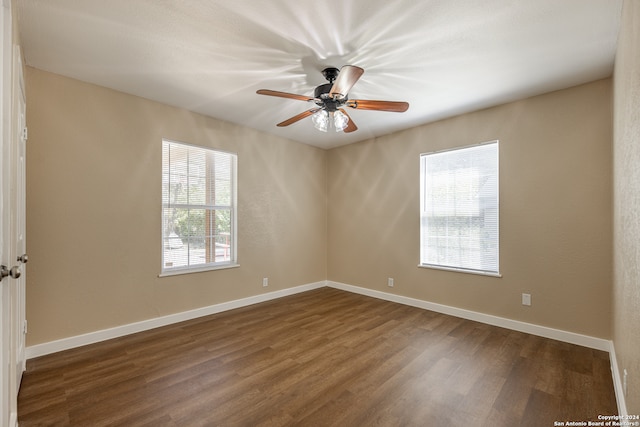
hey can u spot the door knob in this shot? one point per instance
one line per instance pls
(23, 258)
(14, 272)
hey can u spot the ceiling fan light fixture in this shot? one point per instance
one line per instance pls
(329, 98)
(340, 120)
(321, 120)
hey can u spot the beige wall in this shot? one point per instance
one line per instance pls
(626, 148)
(93, 202)
(94, 206)
(555, 211)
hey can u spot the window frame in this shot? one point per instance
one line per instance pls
(233, 249)
(460, 269)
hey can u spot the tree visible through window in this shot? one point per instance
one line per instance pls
(198, 207)
(459, 209)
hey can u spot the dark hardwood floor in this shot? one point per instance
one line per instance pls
(323, 357)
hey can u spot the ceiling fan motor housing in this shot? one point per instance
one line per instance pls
(322, 94)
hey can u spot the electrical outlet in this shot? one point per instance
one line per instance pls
(390, 282)
(526, 299)
(265, 282)
(624, 381)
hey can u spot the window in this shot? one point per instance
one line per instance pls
(198, 208)
(459, 209)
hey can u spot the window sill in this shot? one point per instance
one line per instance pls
(177, 272)
(460, 270)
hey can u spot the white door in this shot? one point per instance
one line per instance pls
(12, 222)
(8, 396)
(18, 242)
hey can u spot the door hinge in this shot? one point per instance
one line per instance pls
(24, 328)
(25, 134)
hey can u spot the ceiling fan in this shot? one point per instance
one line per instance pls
(331, 97)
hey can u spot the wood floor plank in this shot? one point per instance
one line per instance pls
(324, 358)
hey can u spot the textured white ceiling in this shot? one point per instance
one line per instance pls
(444, 57)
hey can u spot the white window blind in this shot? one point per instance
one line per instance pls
(198, 207)
(459, 209)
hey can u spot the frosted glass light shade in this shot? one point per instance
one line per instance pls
(321, 120)
(340, 121)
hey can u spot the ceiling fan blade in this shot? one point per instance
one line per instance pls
(361, 104)
(351, 126)
(284, 95)
(298, 117)
(348, 76)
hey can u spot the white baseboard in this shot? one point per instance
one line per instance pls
(119, 331)
(516, 325)
(617, 381)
